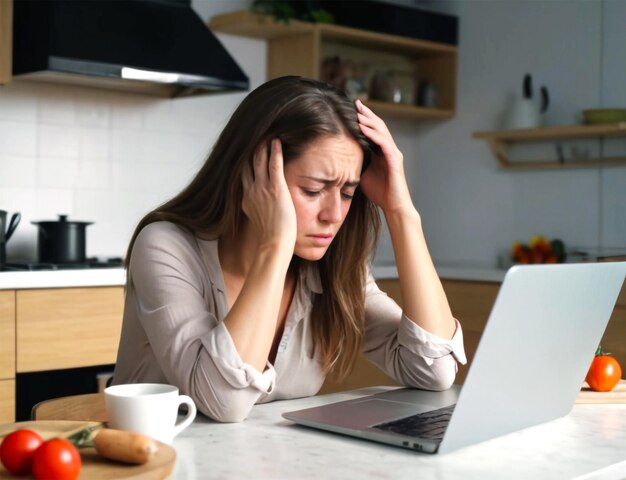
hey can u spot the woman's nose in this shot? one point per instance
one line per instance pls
(331, 209)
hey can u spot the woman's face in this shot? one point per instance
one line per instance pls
(322, 182)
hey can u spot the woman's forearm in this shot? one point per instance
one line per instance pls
(423, 297)
(252, 319)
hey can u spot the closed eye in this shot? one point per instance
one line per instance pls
(311, 193)
(315, 193)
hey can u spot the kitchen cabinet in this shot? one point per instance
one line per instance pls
(6, 40)
(7, 401)
(300, 48)
(7, 356)
(7, 334)
(471, 303)
(67, 327)
(499, 141)
(53, 329)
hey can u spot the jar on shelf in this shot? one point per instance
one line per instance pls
(428, 94)
(393, 86)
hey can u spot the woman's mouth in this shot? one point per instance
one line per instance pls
(322, 239)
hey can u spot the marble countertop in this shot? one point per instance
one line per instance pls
(589, 443)
(96, 277)
(117, 277)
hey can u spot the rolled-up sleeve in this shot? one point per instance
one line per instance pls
(193, 349)
(403, 350)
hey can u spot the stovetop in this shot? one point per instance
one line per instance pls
(115, 262)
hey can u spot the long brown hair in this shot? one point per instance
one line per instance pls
(298, 111)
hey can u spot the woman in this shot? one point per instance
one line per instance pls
(252, 284)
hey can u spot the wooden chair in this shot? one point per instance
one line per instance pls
(89, 407)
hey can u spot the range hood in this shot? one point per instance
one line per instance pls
(157, 47)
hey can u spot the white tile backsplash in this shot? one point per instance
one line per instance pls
(52, 202)
(19, 199)
(59, 141)
(17, 171)
(93, 143)
(18, 105)
(94, 204)
(127, 109)
(125, 145)
(18, 138)
(613, 207)
(61, 173)
(56, 107)
(158, 115)
(93, 112)
(94, 174)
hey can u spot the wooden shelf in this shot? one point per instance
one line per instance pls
(409, 111)
(298, 48)
(254, 25)
(500, 140)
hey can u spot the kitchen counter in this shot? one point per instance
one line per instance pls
(100, 277)
(96, 277)
(592, 438)
(474, 274)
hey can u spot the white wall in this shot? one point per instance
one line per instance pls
(110, 157)
(473, 211)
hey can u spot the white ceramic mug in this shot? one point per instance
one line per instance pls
(148, 408)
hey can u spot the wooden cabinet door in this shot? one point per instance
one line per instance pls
(366, 374)
(7, 401)
(68, 327)
(471, 303)
(7, 334)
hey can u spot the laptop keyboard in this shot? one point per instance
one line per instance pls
(428, 425)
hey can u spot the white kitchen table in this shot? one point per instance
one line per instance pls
(589, 443)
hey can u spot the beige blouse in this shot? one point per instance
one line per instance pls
(173, 332)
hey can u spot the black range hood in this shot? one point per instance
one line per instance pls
(157, 47)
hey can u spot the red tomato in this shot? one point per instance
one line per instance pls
(17, 450)
(604, 373)
(56, 459)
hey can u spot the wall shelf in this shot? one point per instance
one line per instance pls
(299, 48)
(500, 140)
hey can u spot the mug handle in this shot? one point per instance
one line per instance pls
(191, 414)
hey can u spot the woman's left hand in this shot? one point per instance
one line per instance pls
(383, 182)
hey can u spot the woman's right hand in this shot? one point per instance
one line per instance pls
(266, 199)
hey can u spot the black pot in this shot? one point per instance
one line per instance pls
(62, 241)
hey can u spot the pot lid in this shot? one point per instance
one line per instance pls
(62, 220)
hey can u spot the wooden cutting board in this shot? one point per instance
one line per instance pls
(94, 466)
(617, 395)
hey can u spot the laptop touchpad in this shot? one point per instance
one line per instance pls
(372, 411)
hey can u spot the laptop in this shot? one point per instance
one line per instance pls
(532, 358)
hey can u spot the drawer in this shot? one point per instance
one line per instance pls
(7, 334)
(68, 327)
